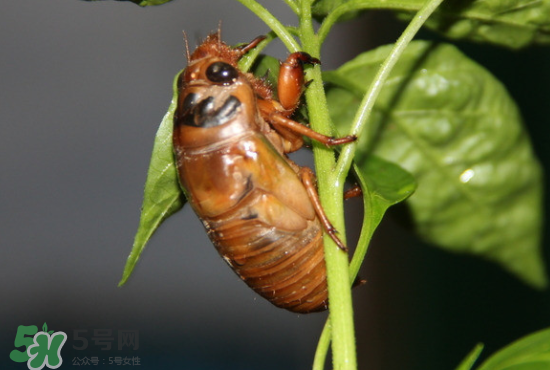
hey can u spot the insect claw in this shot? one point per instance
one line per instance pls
(341, 140)
(303, 58)
(358, 282)
(342, 247)
(352, 192)
(331, 231)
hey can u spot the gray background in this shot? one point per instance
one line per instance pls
(83, 89)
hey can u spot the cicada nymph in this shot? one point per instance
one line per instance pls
(259, 208)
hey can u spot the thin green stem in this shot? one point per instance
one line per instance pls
(367, 104)
(273, 23)
(292, 5)
(354, 5)
(330, 193)
(322, 347)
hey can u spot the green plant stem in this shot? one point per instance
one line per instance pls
(367, 231)
(273, 23)
(331, 194)
(346, 157)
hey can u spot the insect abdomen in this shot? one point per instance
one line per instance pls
(285, 267)
(263, 225)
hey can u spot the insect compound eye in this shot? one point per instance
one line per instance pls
(221, 72)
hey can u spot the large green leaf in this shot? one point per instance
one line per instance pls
(163, 195)
(528, 353)
(511, 23)
(452, 125)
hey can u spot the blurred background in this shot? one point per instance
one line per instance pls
(84, 86)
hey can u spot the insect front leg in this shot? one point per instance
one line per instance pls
(243, 49)
(290, 87)
(308, 179)
(290, 83)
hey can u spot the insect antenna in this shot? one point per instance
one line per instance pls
(220, 32)
(187, 53)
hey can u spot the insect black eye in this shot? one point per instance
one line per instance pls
(220, 72)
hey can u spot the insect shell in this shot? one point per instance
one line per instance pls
(260, 209)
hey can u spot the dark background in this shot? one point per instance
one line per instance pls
(83, 87)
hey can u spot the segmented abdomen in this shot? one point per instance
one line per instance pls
(284, 266)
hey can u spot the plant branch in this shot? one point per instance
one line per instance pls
(273, 23)
(355, 5)
(331, 195)
(292, 5)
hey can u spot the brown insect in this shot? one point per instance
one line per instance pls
(259, 208)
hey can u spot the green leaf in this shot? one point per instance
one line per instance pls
(143, 2)
(45, 327)
(267, 67)
(163, 195)
(511, 23)
(452, 125)
(383, 184)
(386, 182)
(471, 358)
(531, 352)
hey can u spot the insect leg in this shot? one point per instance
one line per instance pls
(243, 49)
(290, 83)
(308, 179)
(280, 121)
(354, 191)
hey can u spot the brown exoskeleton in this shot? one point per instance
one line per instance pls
(259, 208)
